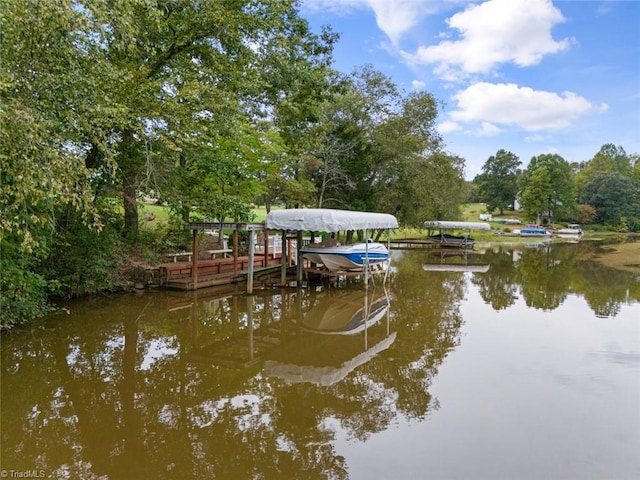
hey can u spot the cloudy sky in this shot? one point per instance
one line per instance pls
(527, 76)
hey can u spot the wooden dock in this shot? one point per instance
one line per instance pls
(219, 271)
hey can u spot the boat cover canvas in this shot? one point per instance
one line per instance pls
(461, 225)
(327, 220)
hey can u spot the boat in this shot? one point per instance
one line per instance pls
(347, 257)
(533, 232)
(573, 230)
(363, 256)
(449, 240)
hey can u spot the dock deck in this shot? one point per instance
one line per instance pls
(219, 271)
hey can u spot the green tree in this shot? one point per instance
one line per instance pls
(558, 198)
(46, 100)
(614, 197)
(498, 182)
(375, 142)
(609, 159)
(536, 194)
(48, 104)
(298, 80)
(193, 76)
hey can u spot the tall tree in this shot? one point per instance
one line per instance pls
(537, 193)
(559, 199)
(299, 80)
(609, 159)
(615, 198)
(47, 103)
(375, 142)
(498, 182)
(191, 72)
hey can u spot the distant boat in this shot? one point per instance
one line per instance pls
(573, 230)
(350, 257)
(449, 240)
(534, 232)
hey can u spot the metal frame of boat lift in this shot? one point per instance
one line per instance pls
(451, 225)
(327, 220)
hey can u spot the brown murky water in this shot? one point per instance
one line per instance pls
(510, 364)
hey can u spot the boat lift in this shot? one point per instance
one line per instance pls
(454, 225)
(299, 220)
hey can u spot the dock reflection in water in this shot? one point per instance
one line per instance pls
(527, 370)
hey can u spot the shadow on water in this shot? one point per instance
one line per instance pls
(220, 384)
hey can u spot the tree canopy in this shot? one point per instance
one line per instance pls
(498, 183)
(546, 187)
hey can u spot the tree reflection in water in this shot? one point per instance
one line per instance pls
(177, 385)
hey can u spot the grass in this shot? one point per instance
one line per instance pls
(153, 216)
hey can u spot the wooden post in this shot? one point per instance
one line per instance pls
(283, 258)
(194, 259)
(386, 272)
(299, 258)
(366, 260)
(250, 321)
(235, 253)
(251, 255)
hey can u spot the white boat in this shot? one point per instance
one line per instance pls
(533, 232)
(573, 230)
(347, 257)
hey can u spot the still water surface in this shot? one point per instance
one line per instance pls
(511, 364)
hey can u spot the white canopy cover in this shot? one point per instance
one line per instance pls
(327, 220)
(459, 225)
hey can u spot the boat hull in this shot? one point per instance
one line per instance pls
(448, 240)
(572, 231)
(347, 257)
(534, 232)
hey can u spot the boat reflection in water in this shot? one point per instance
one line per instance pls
(450, 261)
(340, 332)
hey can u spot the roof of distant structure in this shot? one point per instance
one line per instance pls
(327, 220)
(460, 225)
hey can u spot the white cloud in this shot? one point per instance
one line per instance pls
(448, 127)
(510, 104)
(488, 130)
(393, 17)
(492, 33)
(418, 85)
(535, 138)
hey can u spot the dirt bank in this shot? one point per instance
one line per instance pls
(623, 256)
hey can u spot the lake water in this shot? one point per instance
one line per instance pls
(508, 363)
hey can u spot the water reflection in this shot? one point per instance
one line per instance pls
(219, 384)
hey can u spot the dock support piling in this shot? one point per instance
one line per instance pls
(194, 259)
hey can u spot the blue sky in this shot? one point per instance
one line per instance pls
(527, 76)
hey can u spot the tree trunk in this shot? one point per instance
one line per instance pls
(130, 198)
(129, 167)
(185, 207)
